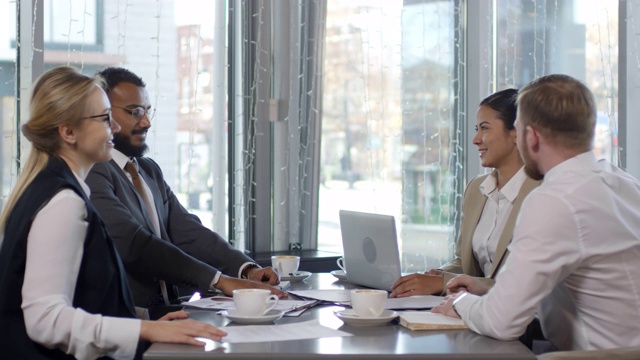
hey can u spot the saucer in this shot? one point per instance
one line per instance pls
(269, 317)
(350, 318)
(296, 277)
(340, 274)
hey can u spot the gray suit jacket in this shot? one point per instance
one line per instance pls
(472, 206)
(187, 254)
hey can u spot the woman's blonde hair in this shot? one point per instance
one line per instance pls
(59, 97)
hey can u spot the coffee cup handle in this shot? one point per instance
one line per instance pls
(340, 263)
(275, 302)
(278, 266)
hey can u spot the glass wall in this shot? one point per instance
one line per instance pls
(358, 104)
(172, 48)
(388, 122)
(574, 37)
(392, 118)
(8, 91)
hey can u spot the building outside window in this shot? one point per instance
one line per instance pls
(393, 132)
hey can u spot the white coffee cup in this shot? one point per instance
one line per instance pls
(368, 303)
(287, 265)
(340, 263)
(254, 302)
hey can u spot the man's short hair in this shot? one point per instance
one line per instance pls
(116, 75)
(561, 108)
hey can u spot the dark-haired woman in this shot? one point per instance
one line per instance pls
(490, 205)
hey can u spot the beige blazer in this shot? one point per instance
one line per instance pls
(472, 206)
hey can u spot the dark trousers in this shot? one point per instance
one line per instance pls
(533, 332)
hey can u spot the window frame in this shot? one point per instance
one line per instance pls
(251, 226)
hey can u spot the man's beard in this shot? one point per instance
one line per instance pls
(123, 144)
(530, 166)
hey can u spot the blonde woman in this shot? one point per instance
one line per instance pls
(63, 285)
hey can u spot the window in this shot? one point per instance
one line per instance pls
(389, 121)
(71, 22)
(391, 117)
(574, 37)
(272, 116)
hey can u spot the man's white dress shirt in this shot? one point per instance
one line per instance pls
(494, 216)
(575, 256)
(54, 251)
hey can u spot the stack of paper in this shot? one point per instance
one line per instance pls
(426, 320)
(290, 307)
(413, 302)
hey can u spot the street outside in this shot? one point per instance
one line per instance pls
(422, 247)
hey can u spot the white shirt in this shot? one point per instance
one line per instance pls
(121, 160)
(494, 216)
(54, 252)
(575, 255)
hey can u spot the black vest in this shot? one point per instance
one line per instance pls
(101, 286)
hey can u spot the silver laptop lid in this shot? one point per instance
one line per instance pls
(370, 245)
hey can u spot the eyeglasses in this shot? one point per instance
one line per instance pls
(138, 112)
(105, 117)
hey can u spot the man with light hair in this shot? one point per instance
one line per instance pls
(575, 254)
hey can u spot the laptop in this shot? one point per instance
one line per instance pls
(370, 244)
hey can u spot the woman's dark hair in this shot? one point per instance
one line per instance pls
(504, 103)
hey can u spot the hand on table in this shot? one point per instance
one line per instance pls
(446, 307)
(428, 283)
(176, 328)
(474, 285)
(267, 275)
(228, 284)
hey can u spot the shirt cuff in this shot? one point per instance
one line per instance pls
(463, 305)
(244, 266)
(123, 334)
(215, 280)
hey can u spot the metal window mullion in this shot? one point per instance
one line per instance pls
(260, 210)
(629, 86)
(29, 61)
(285, 120)
(478, 73)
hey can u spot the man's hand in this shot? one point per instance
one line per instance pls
(474, 285)
(227, 284)
(431, 282)
(267, 275)
(446, 307)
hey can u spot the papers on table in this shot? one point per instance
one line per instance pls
(333, 295)
(414, 302)
(343, 297)
(267, 333)
(284, 285)
(291, 307)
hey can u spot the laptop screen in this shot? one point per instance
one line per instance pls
(370, 245)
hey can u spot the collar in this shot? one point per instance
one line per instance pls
(83, 184)
(586, 160)
(489, 184)
(510, 190)
(121, 159)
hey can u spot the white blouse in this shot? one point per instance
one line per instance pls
(54, 252)
(494, 216)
